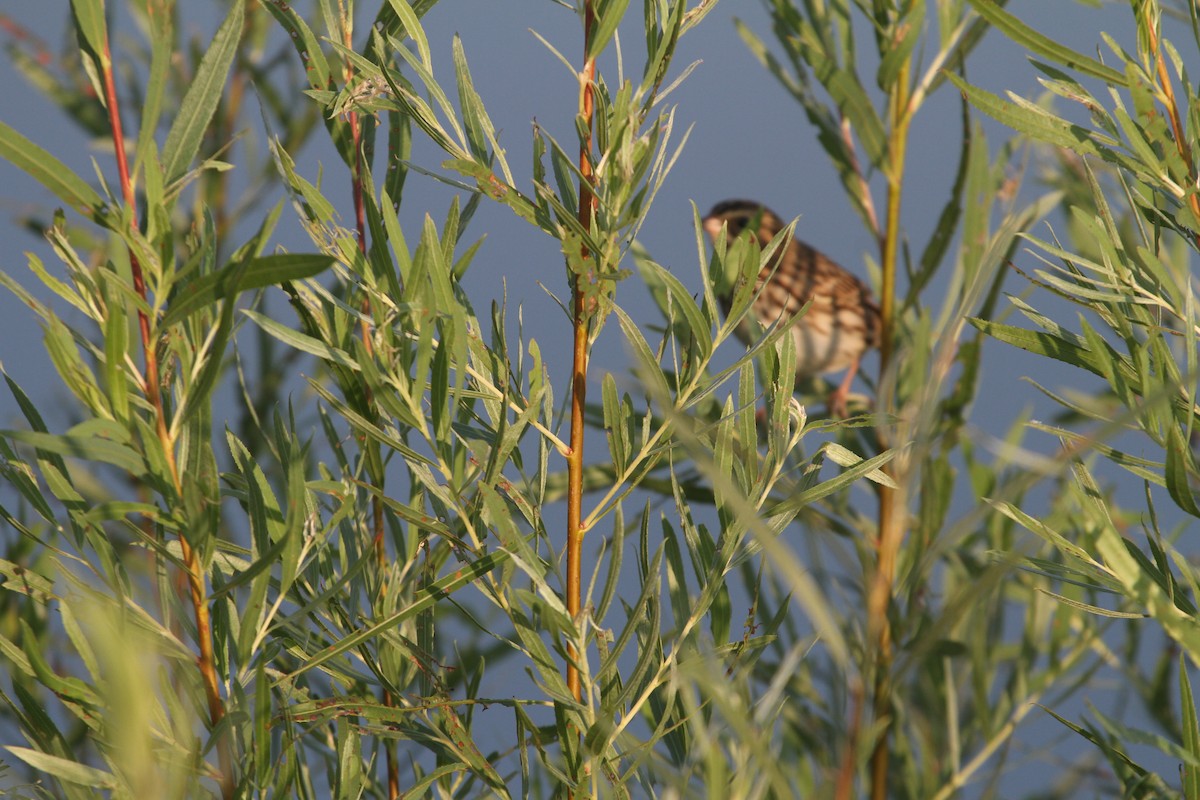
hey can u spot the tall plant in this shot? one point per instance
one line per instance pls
(936, 677)
(1127, 166)
(253, 609)
(320, 576)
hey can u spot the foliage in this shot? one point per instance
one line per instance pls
(1128, 176)
(362, 591)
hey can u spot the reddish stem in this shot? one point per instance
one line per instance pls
(580, 313)
(360, 226)
(206, 661)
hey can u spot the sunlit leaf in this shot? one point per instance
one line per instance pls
(243, 276)
(200, 103)
(50, 172)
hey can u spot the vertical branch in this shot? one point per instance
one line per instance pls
(393, 768)
(891, 514)
(360, 227)
(360, 220)
(844, 783)
(361, 230)
(1182, 143)
(357, 170)
(152, 388)
(580, 315)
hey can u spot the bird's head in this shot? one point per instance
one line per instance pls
(747, 224)
(737, 216)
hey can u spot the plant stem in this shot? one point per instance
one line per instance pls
(844, 786)
(360, 223)
(1181, 139)
(580, 316)
(193, 569)
(891, 513)
(377, 521)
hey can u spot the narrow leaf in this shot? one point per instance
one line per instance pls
(200, 102)
(245, 276)
(65, 769)
(1044, 46)
(50, 172)
(1191, 732)
(91, 26)
(89, 448)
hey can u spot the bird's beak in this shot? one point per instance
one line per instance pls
(712, 226)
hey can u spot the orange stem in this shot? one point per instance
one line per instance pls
(580, 314)
(891, 515)
(152, 388)
(377, 520)
(1181, 139)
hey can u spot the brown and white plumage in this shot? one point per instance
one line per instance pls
(841, 323)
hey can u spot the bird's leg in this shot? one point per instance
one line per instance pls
(837, 398)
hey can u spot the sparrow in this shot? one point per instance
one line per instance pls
(841, 323)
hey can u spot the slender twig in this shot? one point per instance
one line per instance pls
(891, 514)
(1182, 142)
(360, 223)
(151, 387)
(581, 313)
(864, 186)
(358, 169)
(1002, 735)
(844, 787)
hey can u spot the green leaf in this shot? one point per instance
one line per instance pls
(116, 342)
(89, 448)
(63, 349)
(614, 424)
(479, 129)
(161, 30)
(1041, 529)
(468, 572)
(66, 770)
(200, 103)
(844, 457)
(123, 509)
(22, 580)
(1069, 351)
(681, 302)
(1179, 472)
(91, 27)
(50, 172)
(243, 276)
(608, 16)
(302, 342)
(365, 426)
(1040, 124)
(799, 500)
(1191, 731)
(898, 53)
(412, 26)
(308, 47)
(648, 367)
(1044, 46)
(76, 693)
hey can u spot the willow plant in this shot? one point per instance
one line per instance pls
(864, 101)
(1125, 152)
(432, 568)
(321, 576)
(938, 684)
